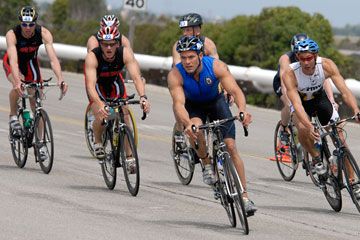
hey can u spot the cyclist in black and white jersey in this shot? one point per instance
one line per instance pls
(279, 88)
(304, 81)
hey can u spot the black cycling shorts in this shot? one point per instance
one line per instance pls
(277, 84)
(321, 106)
(215, 110)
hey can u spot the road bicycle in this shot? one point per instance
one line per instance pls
(120, 148)
(36, 132)
(342, 170)
(90, 117)
(228, 185)
(289, 153)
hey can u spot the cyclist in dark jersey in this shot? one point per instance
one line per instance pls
(20, 61)
(279, 88)
(103, 65)
(194, 87)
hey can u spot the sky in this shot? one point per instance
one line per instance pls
(339, 13)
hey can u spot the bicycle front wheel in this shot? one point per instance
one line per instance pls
(130, 161)
(44, 141)
(183, 161)
(236, 191)
(352, 176)
(108, 165)
(89, 133)
(131, 124)
(19, 147)
(284, 162)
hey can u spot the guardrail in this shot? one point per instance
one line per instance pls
(261, 78)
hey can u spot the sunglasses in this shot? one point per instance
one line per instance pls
(108, 44)
(306, 59)
(24, 24)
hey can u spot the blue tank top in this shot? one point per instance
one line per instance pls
(207, 88)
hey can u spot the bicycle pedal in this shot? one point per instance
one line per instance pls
(249, 214)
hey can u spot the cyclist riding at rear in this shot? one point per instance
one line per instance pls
(279, 88)
(304, 81)
(107, 20)
(194, 87)
(20, 61)
(102, 67)
(190, 24)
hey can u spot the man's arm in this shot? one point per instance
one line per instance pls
(222, 72)
(210, 48)
(133, 67)
(293, 95)
(13, 59)
(284, 62)
(54, 61)
(331, 71)
(175, 55)
(92, 43)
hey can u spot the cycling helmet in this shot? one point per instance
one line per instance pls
(307, 45)
(190, 20)
(108, 33)
(296, 38)
(109, 20)
(28, 14)
(190, 43)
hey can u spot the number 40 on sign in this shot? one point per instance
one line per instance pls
(137, 5)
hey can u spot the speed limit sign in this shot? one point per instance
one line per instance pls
(136, 5)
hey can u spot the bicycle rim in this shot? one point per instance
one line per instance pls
(89, 134)
(132, 125)
(236, 192)
(130, 161)
(352, 176)
(108, 166)
(18, 145)
(283, 157)
(329, 183)
(225, 199)
(183, 162)
(44, 141)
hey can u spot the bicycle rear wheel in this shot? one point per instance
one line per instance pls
(225, 199)
(183, 161)
(328, 182)
(286, 165)
(236, 191)
(130, 161)
(19, 145)
(352, 176)
(44, 141)
(108, 165)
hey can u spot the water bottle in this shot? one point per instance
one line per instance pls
(333, 162)
(116, 137)
(219, 163)
(111, 113)
(317, 146)
(27, 116)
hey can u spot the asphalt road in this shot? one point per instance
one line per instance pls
(73, 202)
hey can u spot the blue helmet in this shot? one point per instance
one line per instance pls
(307, 45)
(189, 43)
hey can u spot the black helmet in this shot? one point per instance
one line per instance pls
(190, 43)
(190, 20)
(28, 14)
(296, 38)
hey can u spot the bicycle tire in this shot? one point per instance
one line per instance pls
(328, 182)
(108, 165)
(351, 181)
(284, 162)
(132, 124)
(89, 134)
(225, 199)
(236, 194)
(19, 146)
(44, 141)
(183, 162)
(131, 173)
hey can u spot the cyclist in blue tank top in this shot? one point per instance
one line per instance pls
(194, 88)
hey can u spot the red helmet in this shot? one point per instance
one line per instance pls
(108, 33)
(109, 20)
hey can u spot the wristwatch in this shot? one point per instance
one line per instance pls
(144, 96)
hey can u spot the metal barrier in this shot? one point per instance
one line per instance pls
(261, 78)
